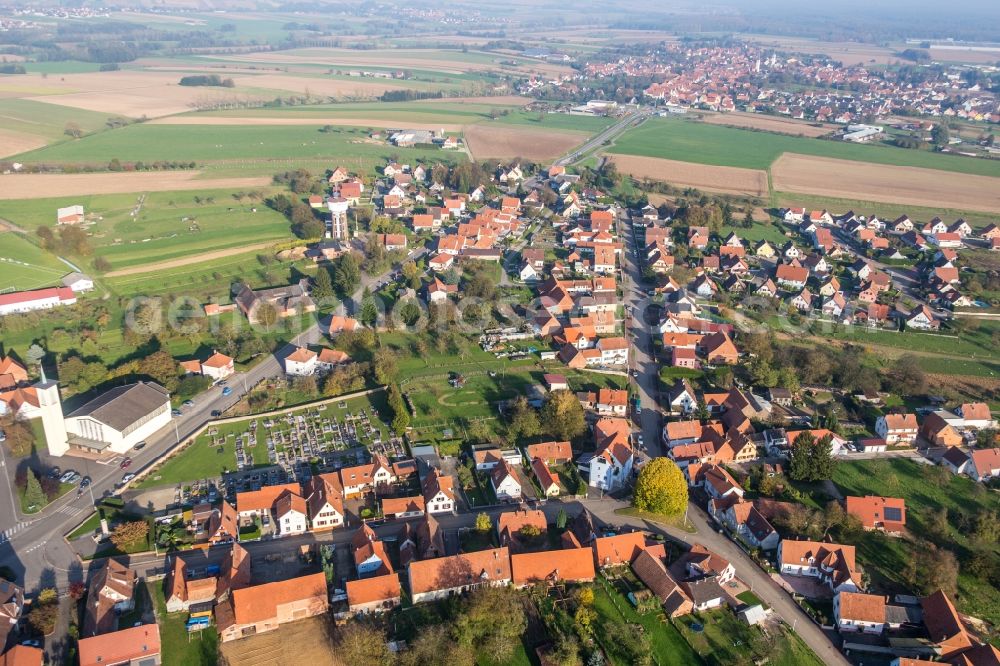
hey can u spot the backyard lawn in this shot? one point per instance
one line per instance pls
(723, 640)
(668, 644)
(885, 558)
(179, 648)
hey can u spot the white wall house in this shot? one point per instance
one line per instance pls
(301, 362)
(504, 482)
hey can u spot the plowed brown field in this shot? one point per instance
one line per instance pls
(42, 186)
(504, 142)
(859, 181)
(730, 180)
(768, 123)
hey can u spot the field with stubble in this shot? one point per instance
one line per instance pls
(43, 186)
(892, 184)
(728, 180)
(769, 123)
(505, 142)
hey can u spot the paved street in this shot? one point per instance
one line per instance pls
(33, 547)
(647, 385)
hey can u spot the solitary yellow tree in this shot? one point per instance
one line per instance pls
(661, 488)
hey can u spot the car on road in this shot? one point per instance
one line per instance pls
(216, 412)
(227, 391)
(84, 482)
(125, 463)
(128, 477)
(140, 446)
(639, 439)
(3, 436)
(188, 403)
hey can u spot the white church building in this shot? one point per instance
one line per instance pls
(113, 422)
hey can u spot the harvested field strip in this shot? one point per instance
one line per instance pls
(187, 261)
(509, 142)
(12, 143)
(892, 184)
(729, 180)
(768, 123)
(42, 186)
(311, 121)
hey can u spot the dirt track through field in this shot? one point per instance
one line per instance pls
(859, 181)
(187, 261)
(509, 141)
(768, 123)
(44, 186)
(262, 121)
(730, 180)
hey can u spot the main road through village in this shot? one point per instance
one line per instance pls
(34, 547)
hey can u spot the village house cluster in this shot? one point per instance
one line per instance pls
(748, 77)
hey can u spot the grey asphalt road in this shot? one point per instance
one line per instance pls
(33, 547)
(647, 384)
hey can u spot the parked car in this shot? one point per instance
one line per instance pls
(126, 463)
(68, 476)
(216, 412)
(227, 391)
(55, 473)
(189, 403)
(175, 412)
(128, 477)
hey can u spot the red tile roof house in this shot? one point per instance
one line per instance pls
(879, 513)
(444, 576)
(858, 612)
(22, 655)
(374, 595)
(510, 524)
(833, 564)
(944, 626)
(553, 453)
(652, 571)
(260, 608)
(135, 645)
(618, 550)
(553, 566)
(111, 591)
(897, 429)
(984, 464)
(546, 479)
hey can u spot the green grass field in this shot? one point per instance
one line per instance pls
(168, 224)
(24, 265)
(179, 648)
(885, 558)
(557, 121)
(726, 146)
(47, 120)
(231, 143)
